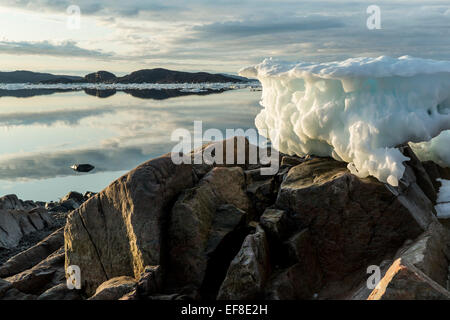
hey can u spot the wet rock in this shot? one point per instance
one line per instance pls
(249, 270)
(118, 231)
(114, 288)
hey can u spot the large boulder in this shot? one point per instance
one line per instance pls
(352, 222)
(119, 231)
(202, 220)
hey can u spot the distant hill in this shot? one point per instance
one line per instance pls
(33, 77)
(158, 75)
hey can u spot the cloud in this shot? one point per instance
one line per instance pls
(62, 49)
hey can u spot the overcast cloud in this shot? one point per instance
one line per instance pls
(226, 35)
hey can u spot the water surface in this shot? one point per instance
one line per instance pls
(43, 135)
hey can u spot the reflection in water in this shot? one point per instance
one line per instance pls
(156, 94)
(43, 136)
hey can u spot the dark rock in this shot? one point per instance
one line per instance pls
(100, 77)
(352, 221)
(249, 270)
(275, 222)
(60, 292)
(114, 288)
(200, 222)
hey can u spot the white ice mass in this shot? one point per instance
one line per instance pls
(443, 200)
(357, 110)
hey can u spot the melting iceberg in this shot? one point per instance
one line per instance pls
(356, 110)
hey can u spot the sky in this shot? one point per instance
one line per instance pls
(213, 36)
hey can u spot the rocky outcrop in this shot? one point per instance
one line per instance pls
(224, 231)
(119, 231)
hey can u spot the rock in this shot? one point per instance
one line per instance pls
(32, 256)
(422, 178)
(60, 292)
(42, 276)
(75, 196)
(11, 202)
(403, 281)
(114, 288)
(70, 204)
(10, 231)
(118, 231)
(249, 270)
(85, 167)
(150, 281)
(36, 220)
(291, 161)
(429, 253)
(59, 208)
(200, 222)
(88, 194)
(14, 294)
(275, 222)
(303, 279)
(352, 222)
(4, 287)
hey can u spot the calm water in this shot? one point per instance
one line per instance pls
(42, 136)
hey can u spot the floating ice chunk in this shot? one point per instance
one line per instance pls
(355, 110)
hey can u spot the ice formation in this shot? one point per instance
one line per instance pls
(443, 200)
(357, 110)
(436, 150)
